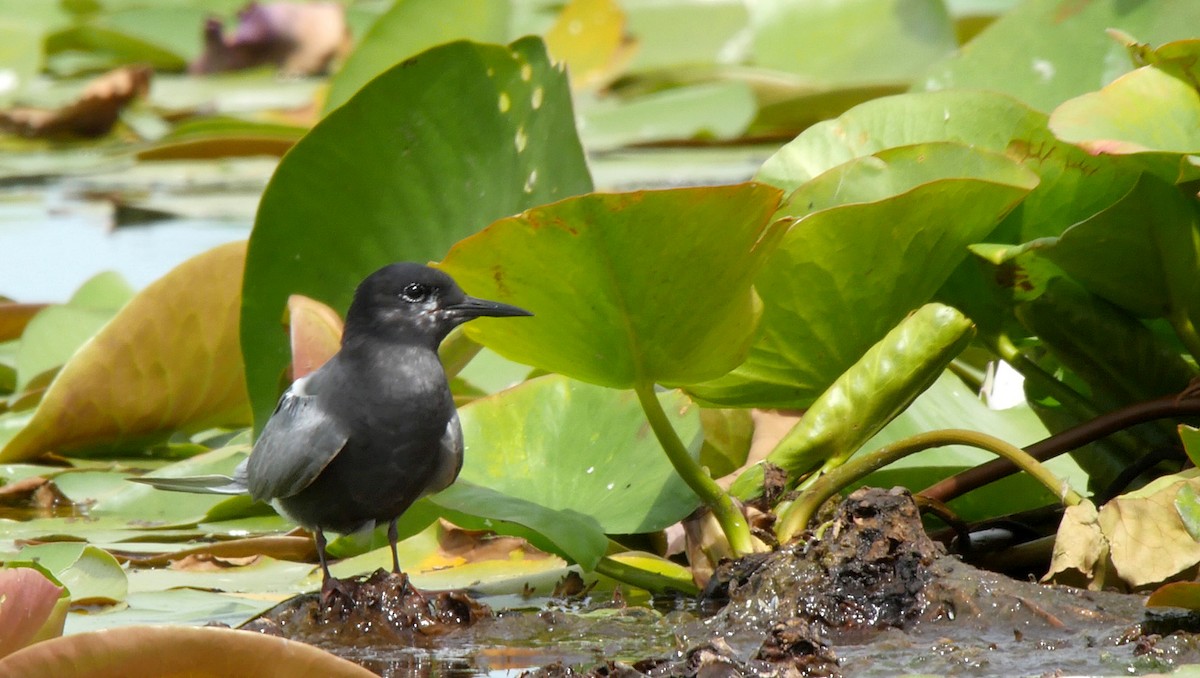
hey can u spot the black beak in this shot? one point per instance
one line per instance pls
(472, 307)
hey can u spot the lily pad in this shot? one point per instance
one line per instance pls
(34, 608)
(54, 334)
(90, 574)
(168, 360)
(572, 462)
(1044, 53)
(1142, 254)
(852, 42)
(194, 652)
(395, 175)
(411, 27)
(844, 275)
(622, 306)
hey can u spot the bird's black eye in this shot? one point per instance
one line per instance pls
(415, 293)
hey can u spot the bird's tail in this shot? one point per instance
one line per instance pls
(213, 484)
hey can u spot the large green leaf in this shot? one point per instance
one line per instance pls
(413, 26)
(1143, 253)
(426, 154)
(852, 42)
(846, 274)
(1153, 113)
(1044, 52)
(1074, 185)
(651, 286)
(572, 462)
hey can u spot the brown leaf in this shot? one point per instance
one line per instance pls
(298, 548)
(1080, 549)
(14, 317)
(1146, 537)
(207, 562)
(93, 114)
(298, 38)
(170, 359)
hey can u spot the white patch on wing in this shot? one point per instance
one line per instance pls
(299, 388)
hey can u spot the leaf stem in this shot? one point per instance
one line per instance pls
(732, 522)
(1182, 323)
(643, 579)
(799, 514)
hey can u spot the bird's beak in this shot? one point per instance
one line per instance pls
(472, 307)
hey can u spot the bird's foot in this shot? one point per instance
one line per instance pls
(407, 590)
(331, 587)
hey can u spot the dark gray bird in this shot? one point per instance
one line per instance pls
(375, 428)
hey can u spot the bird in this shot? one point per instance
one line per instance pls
(375, 428)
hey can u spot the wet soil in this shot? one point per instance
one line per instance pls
(870, 595)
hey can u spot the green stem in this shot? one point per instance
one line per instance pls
(456, 352)
(1182, 323)
(801, 512)
(733, 523)
(1071, 399)
(643, 579)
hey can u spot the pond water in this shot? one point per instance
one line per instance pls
(141, 220)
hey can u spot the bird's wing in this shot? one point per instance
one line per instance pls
(298, 442)
(451, 456)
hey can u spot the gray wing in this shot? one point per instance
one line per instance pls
(298, 442)
(450, 457)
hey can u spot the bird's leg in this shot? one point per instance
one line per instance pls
(392, 535)
(406, 586)
(329, 584)
(319, 537)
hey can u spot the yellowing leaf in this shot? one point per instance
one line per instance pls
(589, 36)
(1146, 536)
(170, 359)
(1080, 549)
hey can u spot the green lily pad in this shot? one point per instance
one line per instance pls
(413, 26)
(54, 334)
(1044, 53)
(844, 275)
(150, 508)
(852, 42)
(1073, 184)
(169, 359)
(91, 574)
(1150, 109)
(571, 462)
(1142, 254)
(426, 154)
(624, 304)
(721, 110)
(1151, 114)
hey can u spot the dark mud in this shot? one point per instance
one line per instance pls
(870, 595)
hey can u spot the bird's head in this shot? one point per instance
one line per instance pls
(413, 303)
